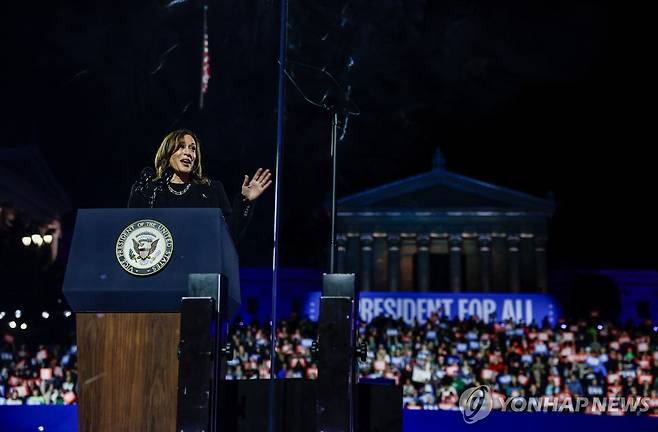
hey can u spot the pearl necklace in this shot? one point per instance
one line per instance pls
(175, 192)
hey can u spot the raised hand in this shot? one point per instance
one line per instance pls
(252, 189)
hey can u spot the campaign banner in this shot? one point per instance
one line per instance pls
(420, 306)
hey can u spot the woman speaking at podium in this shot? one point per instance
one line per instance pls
(178, 181)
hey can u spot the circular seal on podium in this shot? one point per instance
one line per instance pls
(144, 247)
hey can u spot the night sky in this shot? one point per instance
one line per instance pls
(543, 97)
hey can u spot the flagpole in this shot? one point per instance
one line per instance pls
(204, 57)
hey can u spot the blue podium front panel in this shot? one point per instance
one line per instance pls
(99, 279)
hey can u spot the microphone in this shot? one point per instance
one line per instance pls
(167, 174)
(144, 185)
(147, 174)
(158, 186)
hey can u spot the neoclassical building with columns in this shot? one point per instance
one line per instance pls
(441, 231)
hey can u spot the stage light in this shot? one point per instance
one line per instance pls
(12, 324)
(40, 428)
(655, 328)
(45, 314)
(599, 327)
(2, 314)
(37, 239)
(23, 326)
(26, 241)
(67, 314)
(48, 238)
(563, 326)
(18, 313)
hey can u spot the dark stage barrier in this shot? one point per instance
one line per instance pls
(64, 419)
(245, 406)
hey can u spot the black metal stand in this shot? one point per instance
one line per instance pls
(334, 158)
(336, 355)
(202, 353)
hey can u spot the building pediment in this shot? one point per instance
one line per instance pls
(443, 192)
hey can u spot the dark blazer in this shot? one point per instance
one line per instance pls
(237, 215)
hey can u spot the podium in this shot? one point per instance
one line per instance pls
(127, 272)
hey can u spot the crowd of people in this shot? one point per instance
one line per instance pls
(252, 350)
(433, 362)
(33, 374)
(437, 361)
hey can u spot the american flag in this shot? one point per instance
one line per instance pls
(205, 60)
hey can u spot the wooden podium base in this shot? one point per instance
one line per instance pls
(127, 371)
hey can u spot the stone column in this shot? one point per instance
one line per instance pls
(393, 242)
(341, 253)
(484, 243)
(455, 244)
(540, 263)
(365, 270)
(513, 261)
(499, 262)
(423, 262)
